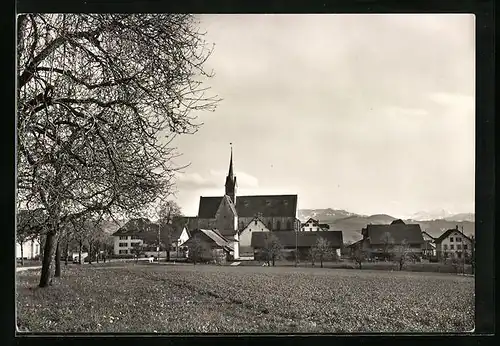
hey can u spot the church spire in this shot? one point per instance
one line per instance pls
(231, 179)
(230, 173)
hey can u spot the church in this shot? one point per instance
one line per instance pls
(230, 214)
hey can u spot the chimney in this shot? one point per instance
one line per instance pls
(456, 227)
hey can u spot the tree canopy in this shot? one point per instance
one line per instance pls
(100, 98)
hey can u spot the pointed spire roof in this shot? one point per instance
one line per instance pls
(230, 173)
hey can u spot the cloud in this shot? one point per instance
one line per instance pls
(453, 100)
(243, 179)
(194, 181)
(214, 180)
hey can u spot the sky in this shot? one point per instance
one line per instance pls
(367, 113)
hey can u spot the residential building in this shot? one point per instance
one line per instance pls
(382, 240)
(245, 236)
(29, 250)
(134, 232)
(313, 225)
(302, 241)
(453, 244)
(215, 244)
(429, 246)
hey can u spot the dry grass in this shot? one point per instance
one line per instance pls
(201, 299)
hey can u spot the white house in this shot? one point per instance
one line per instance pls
(29, 250)
(313, 225)
(245, 236)
(453, 244)
(128, 236)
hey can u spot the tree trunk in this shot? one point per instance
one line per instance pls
(48, 255)
(273, 260)
(66, 252)
(22, 253)
(321, 261)
(167, 249)
(80, 253)
(97, 251)
(57, 273)
(90, 252)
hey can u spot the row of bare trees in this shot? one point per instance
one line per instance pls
(272, 250)
(100, 97)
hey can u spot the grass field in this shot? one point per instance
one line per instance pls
(211, 299)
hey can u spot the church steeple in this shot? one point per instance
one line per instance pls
(231, 179)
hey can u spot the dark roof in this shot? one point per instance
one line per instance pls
(398, 222)
(304, 239)
(134, 226)
(427, 234)
(249, 206)
(412, 234)
(447, 233)
(324, 225)
(191, 222)
(208, 207)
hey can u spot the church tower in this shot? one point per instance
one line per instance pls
(231, 180)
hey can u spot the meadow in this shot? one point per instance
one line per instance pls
(152, 298)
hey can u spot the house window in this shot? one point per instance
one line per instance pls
(123, 237)
(278, 225)
(459, 247)
(123, 245)
(452, 247)
(459, 254)
(122, 252)
(451, 239)
(445, 247)
(255, 222)
(465, 246)
(310, 229)
(269, 225)
(459, 239)
(135, 237)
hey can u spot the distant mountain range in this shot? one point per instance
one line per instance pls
(351, 224)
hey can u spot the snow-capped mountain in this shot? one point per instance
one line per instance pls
(324, 214)
(439, 214)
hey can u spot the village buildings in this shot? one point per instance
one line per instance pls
(313, 225)
(453, 244)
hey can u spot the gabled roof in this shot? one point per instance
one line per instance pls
(427, 234)
(412, 233)
(134, 226)
(249, 206)
(255, 218)
(447, 233)
(314, 222)
(212, 235)
(303, 239)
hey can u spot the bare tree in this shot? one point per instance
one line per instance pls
(198, 250)
(94, 93)
(387, 244)
(322, 249)
(167, 212)
(30, 225)
(359, 255)
(272, 248)
(312, 254)
(402, 254)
